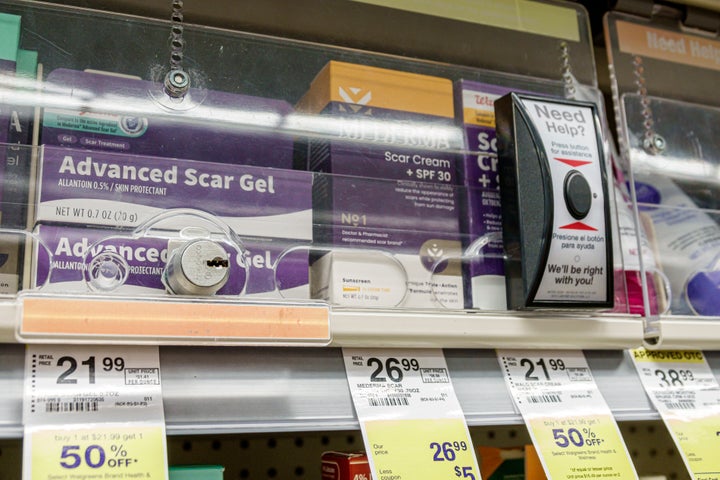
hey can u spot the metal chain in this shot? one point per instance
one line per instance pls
(652, 142)
(568, 79)
(177, 81)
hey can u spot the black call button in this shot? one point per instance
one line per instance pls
(578, 196)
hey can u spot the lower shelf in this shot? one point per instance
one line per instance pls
(270, 456)
(258, 389)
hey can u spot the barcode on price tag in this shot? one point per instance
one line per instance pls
(549, 398)
(388, 401)
(72, 406)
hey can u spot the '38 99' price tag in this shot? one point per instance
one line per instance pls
(93, 413)
(412, 423)
(568, 420)
(685, 392)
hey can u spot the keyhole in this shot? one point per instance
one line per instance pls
(218, 262)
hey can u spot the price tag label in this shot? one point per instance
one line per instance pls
(569, 422)
(685, 392)
(93, 412)
(412, 423)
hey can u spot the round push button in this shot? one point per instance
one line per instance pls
(578, 196)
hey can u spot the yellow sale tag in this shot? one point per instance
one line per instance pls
(437, 448)
(570, 424)
(412, 423)
(101, 452)
(698, 440)
(685, 392)
(581, 447)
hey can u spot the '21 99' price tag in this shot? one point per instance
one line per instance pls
(412, 423)
(93, 413)
(571, 426)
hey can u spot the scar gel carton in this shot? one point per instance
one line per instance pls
(386, 202)
(269, 209)
(73, 248)
(485, 275)
(126, 115)
(109, 189)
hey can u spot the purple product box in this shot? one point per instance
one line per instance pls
(124, 117)
(485, 277)
(146, 257)
(113, 190)
(394, 193)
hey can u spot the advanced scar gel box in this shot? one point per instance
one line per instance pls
(270, 209)
(129, 115)
(386, 203)
(269, 268)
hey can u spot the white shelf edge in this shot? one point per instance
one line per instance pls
(429, 329)
(688, 332)
(8, 321)
(472, 330)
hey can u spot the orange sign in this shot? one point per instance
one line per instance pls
(182, 319)
(669, 46)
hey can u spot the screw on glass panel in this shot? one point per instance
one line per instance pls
(654, 144)
(177, 83)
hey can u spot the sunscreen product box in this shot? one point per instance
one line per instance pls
(126, 115)
(485, 276)
(74, 247)
(386, 205)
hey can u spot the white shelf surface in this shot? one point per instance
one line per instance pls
(258, 389)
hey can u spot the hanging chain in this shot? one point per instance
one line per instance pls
(568, 79)
(652, 142)
(177, 81)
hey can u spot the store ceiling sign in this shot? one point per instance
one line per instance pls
(667, 45)
(521, 15)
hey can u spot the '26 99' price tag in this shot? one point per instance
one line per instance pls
(93, 413)
(412, 423)
(571, 426)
